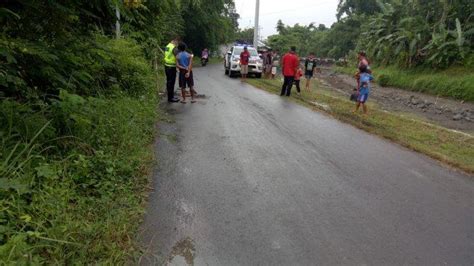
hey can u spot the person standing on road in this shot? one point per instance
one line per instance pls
(309, 66)
(289, 66)
(244, 63)
(170, 69)
(185, 66)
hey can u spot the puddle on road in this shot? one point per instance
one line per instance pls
(185, 249)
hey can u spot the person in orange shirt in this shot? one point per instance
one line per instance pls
(298, 75)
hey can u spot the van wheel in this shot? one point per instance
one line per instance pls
(226, 71)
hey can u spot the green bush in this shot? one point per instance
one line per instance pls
(73, 168)
(383, 80)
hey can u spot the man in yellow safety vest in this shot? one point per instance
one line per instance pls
(170, 68)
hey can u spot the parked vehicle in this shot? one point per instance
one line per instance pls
(232, 61)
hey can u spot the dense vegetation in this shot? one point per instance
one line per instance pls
(77, 113)
(405, 33)
(398, 35)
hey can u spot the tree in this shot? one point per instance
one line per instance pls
(280, 27)
(356, 7)
(245, 35)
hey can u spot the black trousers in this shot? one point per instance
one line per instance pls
(170, 81)
(297, 84)
(287, 84)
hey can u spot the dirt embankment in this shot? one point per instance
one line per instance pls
(448, 113)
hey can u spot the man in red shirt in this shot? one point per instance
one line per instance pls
(289, 66)
(244, 63)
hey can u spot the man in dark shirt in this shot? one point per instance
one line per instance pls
(267, 63)
(289, 66)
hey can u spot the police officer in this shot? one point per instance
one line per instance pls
(170, 68)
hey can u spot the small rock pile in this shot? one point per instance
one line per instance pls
(425, 105)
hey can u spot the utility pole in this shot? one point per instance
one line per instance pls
(117, 22)
(255, 28)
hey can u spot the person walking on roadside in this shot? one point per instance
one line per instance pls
(170, 69)
(289, 66)
(309, 66)
(268, 63)
(184, 62)
(364, 88)
(244, 63)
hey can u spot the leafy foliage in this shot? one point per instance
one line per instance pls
(406, 33)
(77, 114)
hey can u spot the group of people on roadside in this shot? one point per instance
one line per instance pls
(178, 60)
(290, 66)
(292, 71)
(271, 61)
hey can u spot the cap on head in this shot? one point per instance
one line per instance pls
(293, 48)
(245, 47)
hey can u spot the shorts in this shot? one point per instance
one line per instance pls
(362, 97)
(244, 69)
(274, 70)
(183, 81)
(308, 74)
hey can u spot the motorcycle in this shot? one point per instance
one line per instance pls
(204, 60)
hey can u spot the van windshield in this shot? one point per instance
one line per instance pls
(252, 51)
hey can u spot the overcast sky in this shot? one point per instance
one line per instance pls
(289, 11)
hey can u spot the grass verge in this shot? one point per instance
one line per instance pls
(452, 148)
(456, 82)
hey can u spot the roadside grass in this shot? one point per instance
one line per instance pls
(453, 148)
(455, 82)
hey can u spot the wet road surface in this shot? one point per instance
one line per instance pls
(245, 177)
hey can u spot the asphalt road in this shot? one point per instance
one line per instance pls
(245, 177)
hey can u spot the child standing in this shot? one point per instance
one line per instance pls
(298, 75)
(364, 88)
(184, 62)
(310, 65)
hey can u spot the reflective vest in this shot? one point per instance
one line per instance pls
(170, 58)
